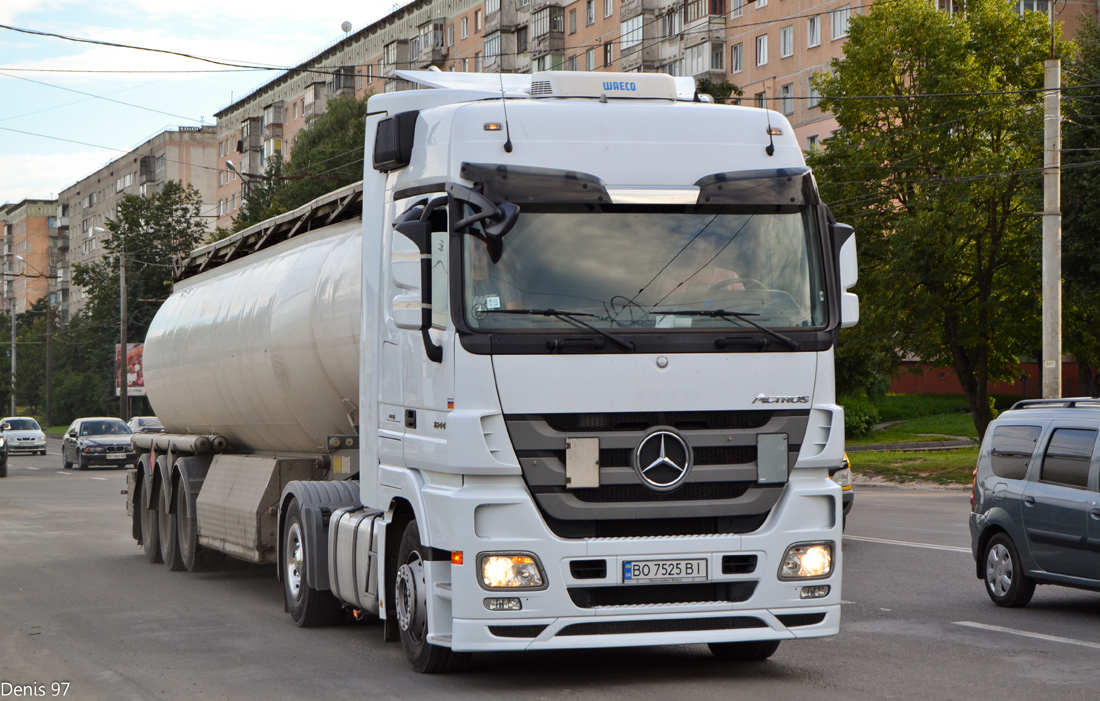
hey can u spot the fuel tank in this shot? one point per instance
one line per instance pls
(264, 350)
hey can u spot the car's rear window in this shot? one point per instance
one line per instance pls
(1012, 449)
(1068, 457)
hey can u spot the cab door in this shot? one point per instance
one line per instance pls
(1056, 504)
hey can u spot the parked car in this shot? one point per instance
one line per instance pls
(1035, 516)
(146, 424)
(22, 434)
(97, 441)
(3, 457)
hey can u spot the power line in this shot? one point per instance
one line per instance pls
(100, 97)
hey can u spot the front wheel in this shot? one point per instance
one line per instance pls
(1005, 581)
(748, 651)
(308, 607)
(411, 609)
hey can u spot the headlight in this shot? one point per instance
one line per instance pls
(807, 561)
(843, 478)
(1, 441)
(510, 571)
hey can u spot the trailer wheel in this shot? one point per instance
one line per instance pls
(411, 609)
(195, 557)
(169, 538)
(150, 522)
(748, 651)
(308, 607)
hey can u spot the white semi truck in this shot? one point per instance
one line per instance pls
(557, 374)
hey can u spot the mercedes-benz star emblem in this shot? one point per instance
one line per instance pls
(663, 459)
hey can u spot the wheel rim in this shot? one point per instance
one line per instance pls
(411, 603)
(294, 560)
(998, 570)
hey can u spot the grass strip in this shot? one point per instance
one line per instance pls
(939, 466)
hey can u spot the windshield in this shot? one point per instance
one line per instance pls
(104, 428)
(21, 425)
(649, 268)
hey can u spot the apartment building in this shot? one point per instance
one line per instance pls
(186, 154)
(29, 255)
(769, 49)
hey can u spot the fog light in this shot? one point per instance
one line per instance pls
(818, 592)
(510, 571)
(807, 561)
(503, 604)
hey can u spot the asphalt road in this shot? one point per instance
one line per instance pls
(79, 605)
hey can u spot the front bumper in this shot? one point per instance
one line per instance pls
(559, 617)
(17, 447)
(103, 459)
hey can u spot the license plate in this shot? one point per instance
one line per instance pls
(663, 571)
(116, 456)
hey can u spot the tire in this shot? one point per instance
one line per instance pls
(195, 557)
(169, 536)
(67, 465)
(410, 607)
(308, 607)
(1005, 581)
(81, 464)
(150, 527)
(4, 468)
(749, 651)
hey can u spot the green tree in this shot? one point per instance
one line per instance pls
(721, 92)
(327, 155)
(936, 165)
(1081, 207)
(150, 232)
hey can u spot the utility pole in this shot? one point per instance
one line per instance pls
(13, 355)
(49, 363)
(1052, 229)
(124, 400)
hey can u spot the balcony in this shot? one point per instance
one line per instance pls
(342, 83)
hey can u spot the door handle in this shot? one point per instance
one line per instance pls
(1095, 513)
(1029, 501)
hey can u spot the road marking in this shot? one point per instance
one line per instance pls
(1028, 634)
(35, 468)
(928, 546)
(104, 479)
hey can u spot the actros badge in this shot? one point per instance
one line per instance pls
(663, 459)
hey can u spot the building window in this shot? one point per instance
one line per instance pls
(521, 39)
(607, 54)
(389, 56)
(814, 95)
(811, 142)
(492, 44)
(358, 86)
(221, 211)
(703, 58)
(546, 20)
(737, 8)
(571, 63)
(786, 42)
(465, 27)
(590, 13)
(786, 102)
(674, 68)
(477, 20)
(672, 24)
(736, 58)
(465, 65)
(572, 22)
(491, 6)
(450, 35)
(762, 50)
(813, 31)
(590, 60)
(608, 8)
(761, 3)
(477, 62)
(761, 100)
(631, 32)
(718, 7)
(838, 21)
(233, 199)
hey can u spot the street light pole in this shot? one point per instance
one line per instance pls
(13, 356)
(123, 374)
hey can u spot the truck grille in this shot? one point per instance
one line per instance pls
(650, 595)
(663, 625)
(720, 495)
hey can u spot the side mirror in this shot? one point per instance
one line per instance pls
(415, 225)
(71, 434)
(849, 275)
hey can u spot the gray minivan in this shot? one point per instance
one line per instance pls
(1035, 515)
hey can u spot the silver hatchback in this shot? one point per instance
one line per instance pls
(1036, 505)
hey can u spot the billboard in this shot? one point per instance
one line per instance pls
(135, 378)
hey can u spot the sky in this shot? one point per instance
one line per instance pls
(54, 92)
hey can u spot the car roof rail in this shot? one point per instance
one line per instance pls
(1068, 403)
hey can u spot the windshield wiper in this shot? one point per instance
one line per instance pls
(571, 317)
(730, 316)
